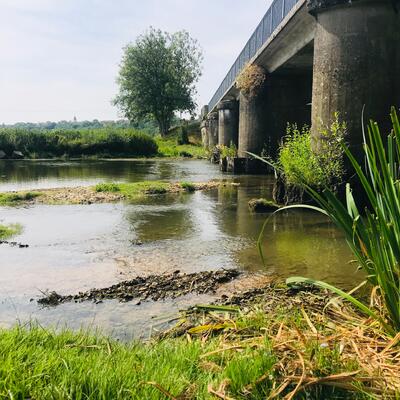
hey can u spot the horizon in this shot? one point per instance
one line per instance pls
(85, 43)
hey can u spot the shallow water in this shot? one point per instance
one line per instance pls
(77, 247)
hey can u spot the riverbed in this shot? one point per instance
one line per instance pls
(74, 248)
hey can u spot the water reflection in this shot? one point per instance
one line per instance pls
(30, 174)
(77, 247)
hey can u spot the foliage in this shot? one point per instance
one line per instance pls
(107, 187)
(7, 199)
(134, 189)
(250, 80)
(301, 166)
(183, 136)
(7, 231)
(188, 186)
(228, 152)
(373, 234)
(168, 147)
(41, 364)
(157, 77)
(56, 143)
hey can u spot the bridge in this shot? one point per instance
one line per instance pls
(319, 57)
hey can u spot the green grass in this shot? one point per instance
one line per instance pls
(188, 186)
(8, 231)
(168, 147)
(40, 364)
(135, 189)
(7, 199)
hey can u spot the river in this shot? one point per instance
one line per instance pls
(78, 247)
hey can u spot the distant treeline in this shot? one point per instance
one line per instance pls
(146, 125)
(113, 142)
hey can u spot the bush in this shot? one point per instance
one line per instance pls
(228, 152)
(302, 167)
(188, 186)
(183, 136)
(93, 142)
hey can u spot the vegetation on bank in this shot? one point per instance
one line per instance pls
(283, 353)
(15, 198)
(302, 166)
(107, 192)
(8, 231)
(105, 142)
(77, 143)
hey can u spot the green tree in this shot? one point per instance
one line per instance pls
(157, 77)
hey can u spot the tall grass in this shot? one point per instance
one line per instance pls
(373, 232)
(91, 142)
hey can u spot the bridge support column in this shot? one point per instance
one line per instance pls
(212, 120)
(263, 119)
(228, 123)
(204, 130)
(356, 63)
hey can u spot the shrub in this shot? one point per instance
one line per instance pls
(228, 152)
(302, 167)
(90, 142)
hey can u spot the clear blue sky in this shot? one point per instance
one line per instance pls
(59, 58)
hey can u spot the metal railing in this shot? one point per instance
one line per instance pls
(273, 17)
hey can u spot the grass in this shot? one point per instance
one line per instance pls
(169, 147)
(188, 186)
(8, 231)
(240, 362)
(9, 199)
(135, 189)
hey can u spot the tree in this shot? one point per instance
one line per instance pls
(157, 77)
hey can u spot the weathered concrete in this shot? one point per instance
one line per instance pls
(356, 64)
(263, 120)
(228, 123)
(204, 133)
(212, 129)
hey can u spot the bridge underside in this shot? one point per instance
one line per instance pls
(336, 60)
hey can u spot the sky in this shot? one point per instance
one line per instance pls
(59, 58)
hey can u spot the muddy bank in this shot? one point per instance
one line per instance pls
(153, 287)
(89, 195)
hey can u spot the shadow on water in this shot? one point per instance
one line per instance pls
(77, 247)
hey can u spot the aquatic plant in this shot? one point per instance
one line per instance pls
(188, 186)
(107, 187)
(15, 198)
(8, 231)
(372, 233)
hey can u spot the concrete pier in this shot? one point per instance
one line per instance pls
(228, 123)
(212, 121)
(356, 64)
(285, 98)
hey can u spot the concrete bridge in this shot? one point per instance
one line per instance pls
(319, 57)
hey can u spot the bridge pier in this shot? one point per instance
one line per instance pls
(263, 119)
(212, 121)
(228, 123)
(356, 64)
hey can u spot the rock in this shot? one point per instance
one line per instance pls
(262, 205)
(2, 155)
(17, 155)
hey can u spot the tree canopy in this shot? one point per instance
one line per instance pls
(157, 77)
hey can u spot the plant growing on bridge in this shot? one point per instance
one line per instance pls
(250, 80)
(157, 77)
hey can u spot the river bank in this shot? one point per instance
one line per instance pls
(104, 192)
(272, 341)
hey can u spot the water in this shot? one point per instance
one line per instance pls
(77, 247)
